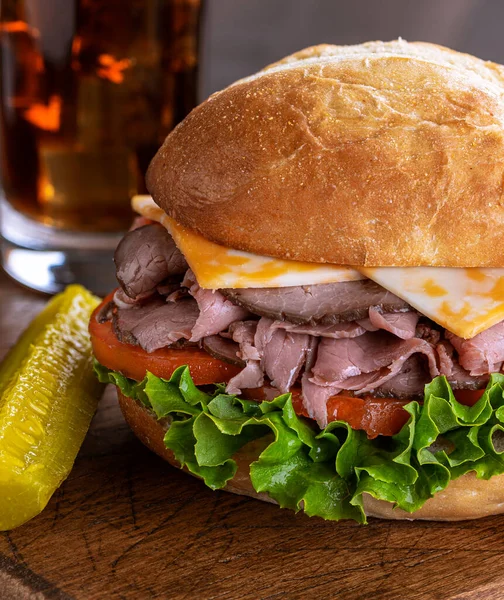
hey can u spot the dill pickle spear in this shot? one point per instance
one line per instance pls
(48, 396)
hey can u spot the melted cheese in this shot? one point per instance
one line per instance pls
(218, 267)
(464, 301)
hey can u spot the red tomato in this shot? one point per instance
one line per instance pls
(468, 397)
(376, 416)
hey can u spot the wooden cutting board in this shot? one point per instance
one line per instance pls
(126, 525)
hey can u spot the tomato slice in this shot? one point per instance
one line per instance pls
(376, 416)
(134, 362)
(468, 397)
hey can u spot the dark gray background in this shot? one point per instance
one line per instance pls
(241, 36)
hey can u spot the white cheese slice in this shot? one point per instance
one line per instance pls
(464, 301)
(218, 267)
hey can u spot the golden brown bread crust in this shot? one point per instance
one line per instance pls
(382, 154)
(464, 498)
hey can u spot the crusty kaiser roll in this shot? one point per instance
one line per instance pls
(381, 154)
(465, 498)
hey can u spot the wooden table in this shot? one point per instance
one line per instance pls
(127, 525)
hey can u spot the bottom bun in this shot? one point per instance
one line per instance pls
(465, 498)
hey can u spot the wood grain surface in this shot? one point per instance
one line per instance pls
(126, 525)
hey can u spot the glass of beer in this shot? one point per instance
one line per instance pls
(88, 91)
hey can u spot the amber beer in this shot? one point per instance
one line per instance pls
(89, 89)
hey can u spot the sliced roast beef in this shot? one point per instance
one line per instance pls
(283, 356)
(409, 383)
(216, 312)
(223, 349)
(279, 353)
(121, 300)
(177, 295)
(445, 357)
(144, 258)
(170, 288)
(336, 331)
(311, 353)
(315, 398)
(326, 303)
(243, 333)
(403, 325)
(251, 376)
(426, 331)
(460, 379)
(251, 340)
(126, 317)
(456, 375)
(157, 324)
(483, 353)
(344, 362)
(361, 364)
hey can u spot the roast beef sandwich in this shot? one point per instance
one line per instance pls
(311, 305)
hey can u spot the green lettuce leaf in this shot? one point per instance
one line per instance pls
(325, 473)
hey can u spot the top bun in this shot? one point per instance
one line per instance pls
(381, 154)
